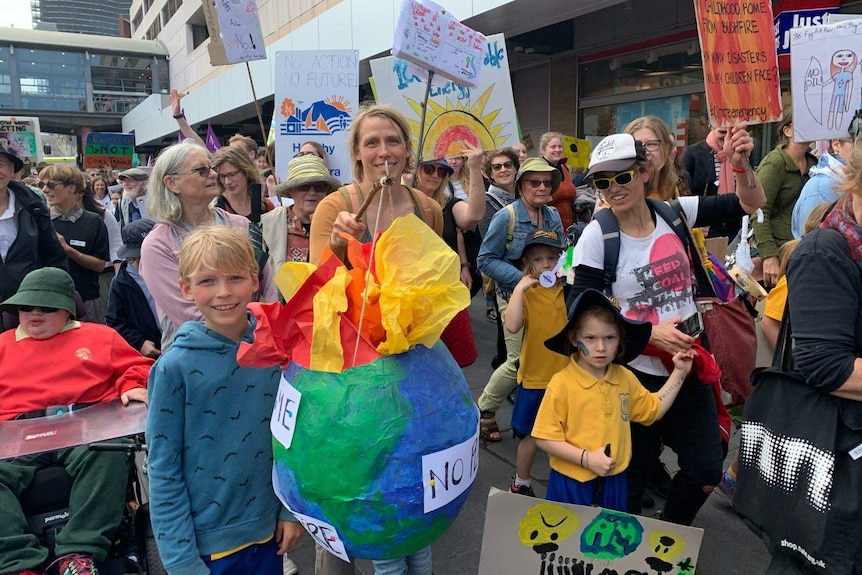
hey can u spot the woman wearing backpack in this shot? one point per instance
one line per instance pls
(652, 281)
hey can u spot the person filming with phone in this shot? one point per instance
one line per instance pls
(652, 281)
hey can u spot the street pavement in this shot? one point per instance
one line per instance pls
(728, 547)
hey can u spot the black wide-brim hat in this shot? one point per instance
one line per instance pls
(635, 338)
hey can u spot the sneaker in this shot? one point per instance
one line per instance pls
(76, 564)
(526, 490)
(727, 485)
(491, 314)
(288, 567)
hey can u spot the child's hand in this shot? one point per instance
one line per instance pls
(682, 360)
(287, 534)
(599, 463)
(527, 282)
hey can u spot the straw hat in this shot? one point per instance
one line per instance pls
(306, 169)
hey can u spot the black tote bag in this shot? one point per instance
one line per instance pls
(797, 483)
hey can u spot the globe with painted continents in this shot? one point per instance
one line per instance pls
(382, 456)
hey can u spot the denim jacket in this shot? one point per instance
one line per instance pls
(501, 264)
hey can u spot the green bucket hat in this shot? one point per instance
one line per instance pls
(539, 165)
(303, 170)
(45, 287)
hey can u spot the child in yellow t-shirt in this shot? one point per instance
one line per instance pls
(584, 419)
(537, 304)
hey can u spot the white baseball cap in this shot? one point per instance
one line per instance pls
(616, 153)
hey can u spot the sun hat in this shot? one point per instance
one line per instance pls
(634, 340)
(45, 287)
(439, 162)
(539, 165)
(133, 174)
(306, 169)
(12, 155)
(616, 153)
(133, 237)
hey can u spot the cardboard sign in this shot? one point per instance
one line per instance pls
(316, 97)
(23, 136)
(283, 421)
(527, 535)
(107, 148)
(484, 115)
(235, 34)
(449, 473)
(740, 65)
(826, 80)
(577, 151)
(431, 37)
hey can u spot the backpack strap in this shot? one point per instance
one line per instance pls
(352, 196)
(430, 216)
(510, 231)
(611, 237)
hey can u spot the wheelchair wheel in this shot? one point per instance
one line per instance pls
(154, 560)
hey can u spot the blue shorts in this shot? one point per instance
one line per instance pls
(614, 490)
(261, 559)
(526, 408)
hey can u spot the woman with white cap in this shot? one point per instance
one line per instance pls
(285, 229)
(653, 282)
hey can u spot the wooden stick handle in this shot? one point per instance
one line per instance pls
(378, 185)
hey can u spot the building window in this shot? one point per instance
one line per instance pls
(5, 79)
(136, 21)
(120, 82)
(51, 80)
(199, 35)
(170, 9)
(154, 30)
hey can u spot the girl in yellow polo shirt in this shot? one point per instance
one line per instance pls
(584, 419)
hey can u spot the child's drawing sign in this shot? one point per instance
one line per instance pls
(826, 79)
(431, 37)
(526, 535)
(235, 34)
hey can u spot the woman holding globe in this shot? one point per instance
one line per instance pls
(381, 149)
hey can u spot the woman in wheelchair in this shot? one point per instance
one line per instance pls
(52, 361)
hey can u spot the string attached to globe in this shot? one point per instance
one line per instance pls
(384, 182)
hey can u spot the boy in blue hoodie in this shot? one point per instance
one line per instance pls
(212, 504)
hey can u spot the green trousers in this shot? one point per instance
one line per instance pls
(95, 506)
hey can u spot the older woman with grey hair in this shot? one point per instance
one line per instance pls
(182, 188)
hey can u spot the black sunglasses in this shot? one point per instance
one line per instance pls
(43, 309)
(321, 187)
(429, 169)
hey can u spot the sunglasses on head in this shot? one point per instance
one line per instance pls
(537, 182)
(621, 179)
(321, 187)
(507, 165)
(429, 169)
(43, 309)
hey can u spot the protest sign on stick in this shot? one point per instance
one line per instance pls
(109, 149)
(740, 65)
(234, 29)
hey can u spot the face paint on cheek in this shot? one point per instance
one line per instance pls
(582, 349)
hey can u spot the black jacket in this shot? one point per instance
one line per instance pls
(129, 312)
(698, 160)
(36, 245)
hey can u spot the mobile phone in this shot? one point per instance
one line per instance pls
(692, 325)
(266, 173)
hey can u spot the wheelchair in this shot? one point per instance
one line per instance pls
(45, 502)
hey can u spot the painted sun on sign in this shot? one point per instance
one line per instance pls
(450, 125)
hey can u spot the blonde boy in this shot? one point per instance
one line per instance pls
(213, 507)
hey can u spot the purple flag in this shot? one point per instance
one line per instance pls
(180, 136)
(212, 142)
